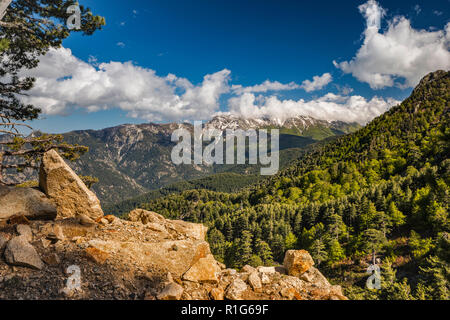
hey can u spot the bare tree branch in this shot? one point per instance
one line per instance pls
(9, 132)
(9, 124)
(41, 150)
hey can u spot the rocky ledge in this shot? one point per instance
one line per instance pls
(147, 257)
(50, 249)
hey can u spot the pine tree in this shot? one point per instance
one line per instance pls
(278, 247)
(335, 251)
(396, 216)
(373, 241)
(291, 241)
(318, 251)
(264, 252)
(244, 250)
(30, 29)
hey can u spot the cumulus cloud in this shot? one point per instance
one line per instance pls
(399, 56)
(317, 83)
(328, 107)
(266, 86)
(65, 83)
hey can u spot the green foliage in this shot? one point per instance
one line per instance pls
(419, 247)
(89, 181)
(29, 29)
(380, 193)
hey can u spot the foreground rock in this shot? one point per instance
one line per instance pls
(4, 238)
(157, 222)
(65, 188)
(205, 270)
(172, 291)
(236, 290)
(27, 202)
(297, 262)
(19, 252)
(148, 258)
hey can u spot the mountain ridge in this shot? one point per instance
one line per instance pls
(376, 196)
(132, 159)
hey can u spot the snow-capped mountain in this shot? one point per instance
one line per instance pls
(299, 125)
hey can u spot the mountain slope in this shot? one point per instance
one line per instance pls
(380, 193)
(130, 160)
(303, 126)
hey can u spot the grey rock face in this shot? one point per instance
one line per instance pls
(19, 252)
(28, 202)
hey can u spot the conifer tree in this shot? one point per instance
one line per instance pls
(28, 30)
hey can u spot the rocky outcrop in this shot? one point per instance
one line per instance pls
(62, 185)
(157, 223)
(149, 257)
(27, 202)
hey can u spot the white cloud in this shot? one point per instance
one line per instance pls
(317, 83)
(399, 56)
(265, 87)
(373, 13)
(329, 107)
(65, 83)
(121, 44)
(438, 13)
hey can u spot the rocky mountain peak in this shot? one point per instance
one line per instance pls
(432, 77)
(299, 123)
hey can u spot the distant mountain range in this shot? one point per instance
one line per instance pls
(130, 160)
(300, 126)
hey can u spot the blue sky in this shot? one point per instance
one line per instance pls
(284, 41)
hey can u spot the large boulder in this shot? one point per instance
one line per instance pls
(176, 256)
(297, 262)
(19, 252)
(65, 188)
(27, 202)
